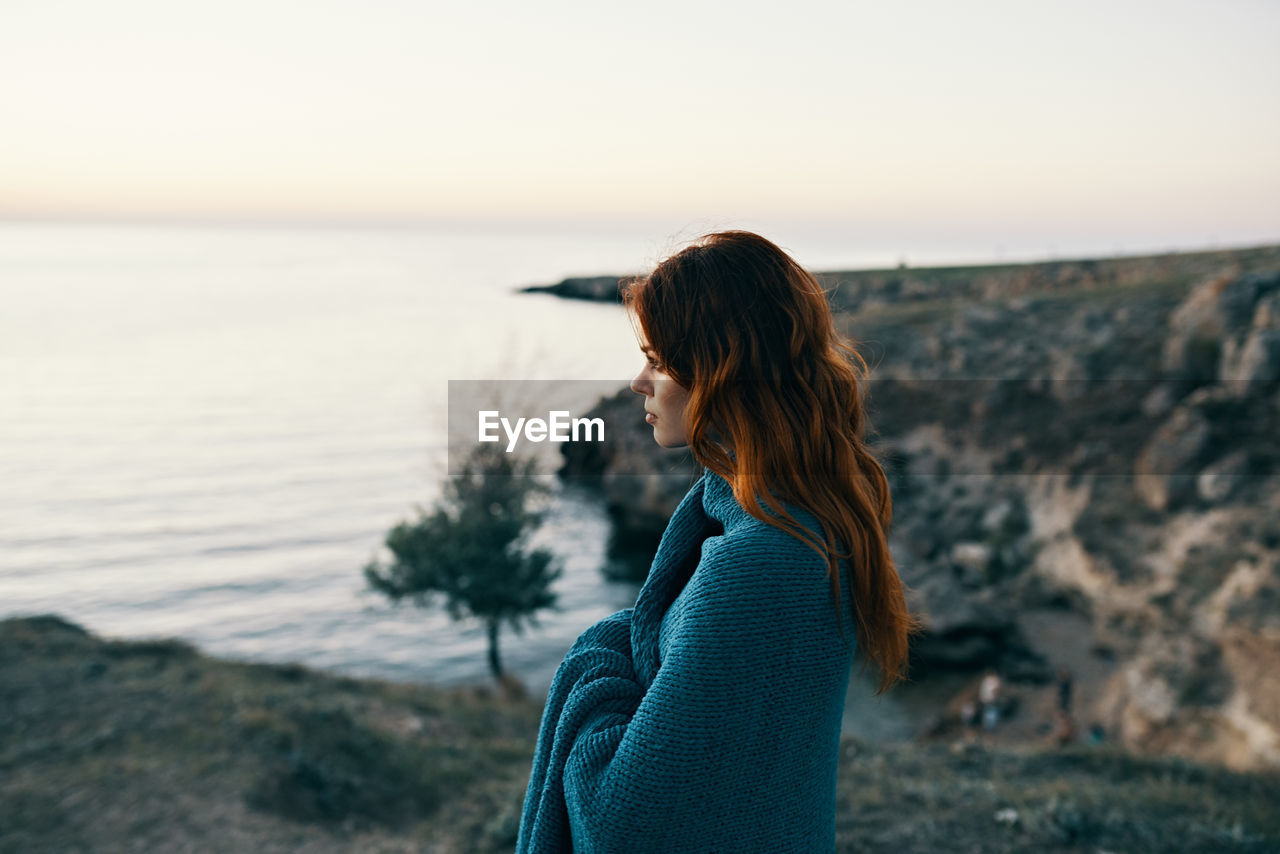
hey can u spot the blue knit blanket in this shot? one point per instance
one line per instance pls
(707, 717)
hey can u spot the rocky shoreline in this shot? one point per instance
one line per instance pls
(1099, 438)
(118, 746)
(591, 288)
(863, 290)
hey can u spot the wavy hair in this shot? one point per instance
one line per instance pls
(776, 408)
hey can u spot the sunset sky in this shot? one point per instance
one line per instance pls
(1120, 122)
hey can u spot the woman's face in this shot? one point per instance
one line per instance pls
(664, 401)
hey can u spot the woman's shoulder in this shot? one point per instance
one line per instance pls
(756, 559)
(751, 556)
(746, 536)
(754, 539)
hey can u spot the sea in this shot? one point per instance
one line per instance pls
(207, 430)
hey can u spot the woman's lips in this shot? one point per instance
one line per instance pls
(649, 417)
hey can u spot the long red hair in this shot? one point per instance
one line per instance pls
(776, 408)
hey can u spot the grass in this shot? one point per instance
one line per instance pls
(108, 746)
(112, 746)
(918, 797)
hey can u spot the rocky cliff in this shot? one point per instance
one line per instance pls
(1095, 439)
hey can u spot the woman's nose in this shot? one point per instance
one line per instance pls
(639, 383)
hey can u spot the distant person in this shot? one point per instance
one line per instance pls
(1064, 732)
(970, 718)
(989, 697)
(1065, 726)
(707, 717)
(1064, 691)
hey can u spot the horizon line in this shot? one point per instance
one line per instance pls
(471, 222)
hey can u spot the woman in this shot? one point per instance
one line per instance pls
(707, 717)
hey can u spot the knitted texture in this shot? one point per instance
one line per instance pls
(707, 717)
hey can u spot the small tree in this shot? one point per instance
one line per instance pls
(471, 549)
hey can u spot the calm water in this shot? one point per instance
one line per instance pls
(206, 432)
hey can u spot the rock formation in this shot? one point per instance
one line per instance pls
(1101, 437)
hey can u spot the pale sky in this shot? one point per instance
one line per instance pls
(1120, 119)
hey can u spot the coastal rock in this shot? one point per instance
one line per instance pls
(1217, 481)
(965, 630)
(1168, 674)
(1057, 439)
(1166, 464)
(1198, 697)
(1196, 328)
(1252, 363)
(593, 288)
(1159, 401)
(1227, 329)
(973, 561)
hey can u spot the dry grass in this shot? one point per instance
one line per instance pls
(122, 747)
